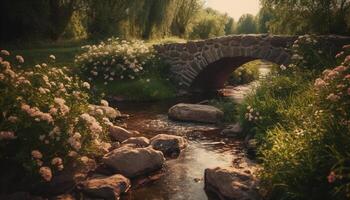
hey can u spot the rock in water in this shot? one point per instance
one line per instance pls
(138, 141)
(119, 134)
(195, 113)
(231, 183)
(132, 162)
(232, 131)
(170, 145)
(106, 187)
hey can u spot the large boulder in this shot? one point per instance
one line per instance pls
(132, 162)
(170, 145)
(195, 113)
(137, 141)
(119, 134)
(231, 183)
(106, 187)
(110, 112)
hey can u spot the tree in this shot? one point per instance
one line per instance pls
(263, 18)
(185, 13)
(230, 26)
(308, 16)
(209, 23)
(246, 24)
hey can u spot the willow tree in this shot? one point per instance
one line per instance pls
(185, 13)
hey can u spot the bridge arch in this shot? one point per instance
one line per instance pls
(216, 58)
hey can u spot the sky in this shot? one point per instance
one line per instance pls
(235, 8)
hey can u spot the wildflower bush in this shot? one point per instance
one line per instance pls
(245, 74)
(114, 59)
(128, 70)
(300, 117)
(44, 118)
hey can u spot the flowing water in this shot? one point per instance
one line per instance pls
(182, 178)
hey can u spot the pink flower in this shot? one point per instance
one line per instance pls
(45, 173)
(333, 97)
(37, 154)
(339, 54)
(7, 135)
(340, 68)
(320, 83)
(331, 177)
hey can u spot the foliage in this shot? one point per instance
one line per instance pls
(114, 60)
(45, 122)
(302, 127)
(228, 106)
(321, 17)
(245, 74)
(246, 24)
(208, 24)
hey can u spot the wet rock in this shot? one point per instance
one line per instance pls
(110, 112)
(195, 113)
(132, 162)
(231, 183)
(232, 131)
(114, 145)
(106, 187)
(119, 134)
(170, 145)
(138, 141)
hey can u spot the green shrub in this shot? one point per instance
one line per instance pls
(45, 121)
(245, 74)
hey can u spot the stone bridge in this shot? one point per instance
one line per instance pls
(206, 64)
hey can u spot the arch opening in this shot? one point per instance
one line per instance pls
(215, 75)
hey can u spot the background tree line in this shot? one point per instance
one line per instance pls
(147, 19)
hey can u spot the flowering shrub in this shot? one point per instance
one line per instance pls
(114, 60)
(44, 117)
(309, 53)
(306, 150)
(333, 90)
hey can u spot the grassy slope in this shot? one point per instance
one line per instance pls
(156, 88)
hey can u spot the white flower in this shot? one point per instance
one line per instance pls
(52, 57)
(5, 52)
(282, 67)
(7, 135)
(104, 102)
(20, 59)
(86, 85)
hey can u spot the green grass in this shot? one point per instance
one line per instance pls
(228, 106)
(148, 88)
(64, 55)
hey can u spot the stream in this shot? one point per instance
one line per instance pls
(182, 178)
